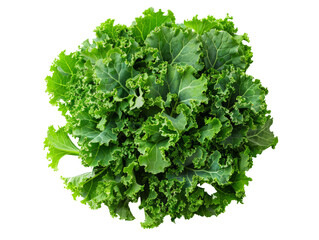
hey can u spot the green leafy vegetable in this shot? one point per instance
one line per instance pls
(156, 110)
(59, 145)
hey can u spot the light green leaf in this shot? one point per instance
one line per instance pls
(221, 49)
(152, 219)
(58, 84)
(176, 46)
(199, 26)
(96, 51)
(108, 31)
(79, 180)
(59, 145)
(66, 63)
(138, 101)
(144, 25)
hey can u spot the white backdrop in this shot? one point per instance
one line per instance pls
(282, 199)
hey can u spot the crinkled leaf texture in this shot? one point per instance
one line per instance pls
(157, 109)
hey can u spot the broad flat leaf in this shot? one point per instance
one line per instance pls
(221, 49)
(144, 25)
(215, 173)
(114, 75)
(59, 145)
(152, 156)
(262, 137)
(209, 130)
(183, 83)
(176, 46)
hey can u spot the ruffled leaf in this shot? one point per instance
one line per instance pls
(182, 83)
(220, 49)
(153, 157)
(58, 84)
(144, 25)
(262, 138)
(209, 130)
(114, 75)
(176, 46)
(215, 173)
(59, 144)
(88, 129)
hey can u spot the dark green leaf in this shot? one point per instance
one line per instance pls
(114, 75)
(220, 49)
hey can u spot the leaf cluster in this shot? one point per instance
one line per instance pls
(157, 110)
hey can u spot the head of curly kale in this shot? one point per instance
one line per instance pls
(158, 109)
